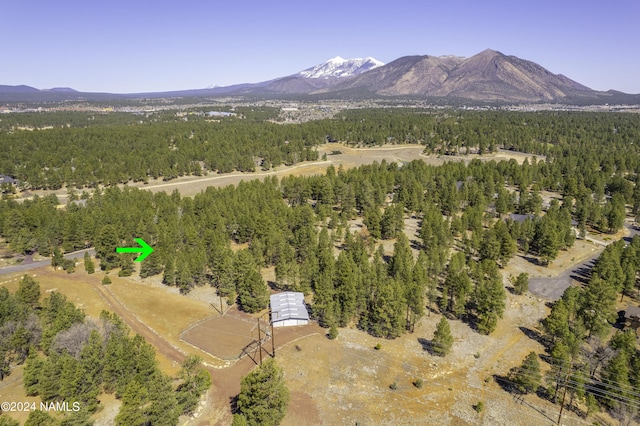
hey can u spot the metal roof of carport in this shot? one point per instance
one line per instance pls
(288, 305)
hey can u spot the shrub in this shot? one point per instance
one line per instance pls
(479, 406)
(377, 347)
(393, 386)
(106, 280)
(418, 383)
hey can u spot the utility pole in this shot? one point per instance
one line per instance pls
(259, 341)
(273, 341)
(564, 394)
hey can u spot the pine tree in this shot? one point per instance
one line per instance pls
(106, 242)
(253, 295)
(195, 380)
(57, 258)
(28, 292)
(89, 374)
(263, 395)
(442, 338)
(32, 371)
(169, 276)
(372, 218)
(521, 283)
(527, 377)
(89, 266)
(598, 306)
(40, 418)
(489, 297)
(151, 265)
(8, 421)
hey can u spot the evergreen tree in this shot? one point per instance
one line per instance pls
(151, 265)
(253, 295)
(372, 219)
(195, 380)
(527, 377)
(442, 338)
(598, 306)
(88, 378)
(40, 418)
(521, 283)
(126, 265)
(28, 292)
(392, 221)
(489, 297)
(57, 258)
(32, 372)
(401, 263)
(263, 395)
(8, 421)
(89, 266)
(169, 276)
(106, 242)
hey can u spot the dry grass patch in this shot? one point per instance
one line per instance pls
(76, 286)
(162, 309)
(349, 380)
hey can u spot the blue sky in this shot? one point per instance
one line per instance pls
(141, 46)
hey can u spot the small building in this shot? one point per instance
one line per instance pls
(521, 218)
(7, 179)
(632, 317)
(288, 309)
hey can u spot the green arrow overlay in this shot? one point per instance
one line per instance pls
(144, 250)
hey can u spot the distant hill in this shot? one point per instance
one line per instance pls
(487, 77)
(18, 89)
(57, 94)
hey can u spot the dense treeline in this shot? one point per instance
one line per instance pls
(294, 226)
(117, 154)
(73, 359)
(166, 146)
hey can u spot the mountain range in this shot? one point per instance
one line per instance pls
(489, 76)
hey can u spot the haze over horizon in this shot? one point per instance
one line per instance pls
(123, 47)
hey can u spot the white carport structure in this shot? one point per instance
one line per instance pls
(288, 309)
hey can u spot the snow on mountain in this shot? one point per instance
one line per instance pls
(340, 67)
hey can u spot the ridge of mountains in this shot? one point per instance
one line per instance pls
(487, 77)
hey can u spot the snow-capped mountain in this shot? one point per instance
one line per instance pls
(340, 67)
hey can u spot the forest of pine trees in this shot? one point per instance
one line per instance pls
(71, 358)
(303, 226)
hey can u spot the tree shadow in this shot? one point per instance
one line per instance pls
(535, 335)
(273, 285)
(506, 384)
(427, 345)
(518, 396)
(233, 404)
(579, 278)
(531, 259)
